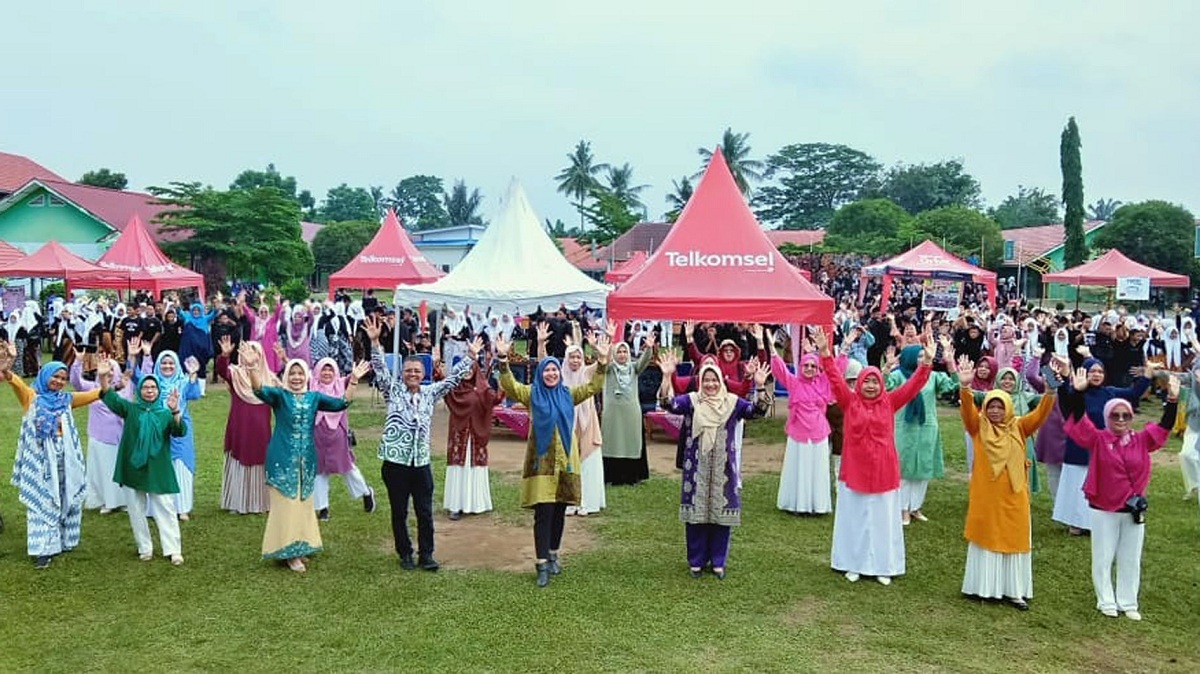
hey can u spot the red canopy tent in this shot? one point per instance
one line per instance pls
(717, 264)
(54, 261)
(625, 270)
(134, 253)
(9, 253)
(927, 260)
(1106, 269)
(389, 260)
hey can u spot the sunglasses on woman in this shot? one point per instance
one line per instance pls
(1120, 416)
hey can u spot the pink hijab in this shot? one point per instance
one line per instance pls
(334, 389)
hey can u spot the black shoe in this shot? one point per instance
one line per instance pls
(406, 562)
(455, 515)
(543, 574)
(696, 573)
(323, 514)
(1019, 604)
(555, 567)
(369, 502)
(429, 563)
(719, 574)
(42, 562)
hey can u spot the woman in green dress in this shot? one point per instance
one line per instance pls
(144, 466)
(550, 476)
(624, 442)
(292, 531)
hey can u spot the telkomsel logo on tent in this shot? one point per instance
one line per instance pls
(762, 262)
(380, 259)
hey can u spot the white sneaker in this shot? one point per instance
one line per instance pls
(1133, 615)
(852, 577)
(883, 580)
(1110, 612)
(146, 556)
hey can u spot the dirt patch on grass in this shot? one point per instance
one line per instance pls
(487, 542)
(805, 613)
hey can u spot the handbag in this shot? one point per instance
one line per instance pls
(353, 438)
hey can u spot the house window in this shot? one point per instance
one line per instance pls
(1009, 250)
(55, 201)
(38, 201)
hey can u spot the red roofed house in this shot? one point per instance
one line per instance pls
(1041, 248)
(804, 238)
(16, 170)
(84, 219)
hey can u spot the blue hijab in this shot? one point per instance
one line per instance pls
(550, 409)
(167, 384)
(914, 411)
(202, 321)
(49, 405)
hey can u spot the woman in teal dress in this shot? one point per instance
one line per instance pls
(292, 531)
(918, 437)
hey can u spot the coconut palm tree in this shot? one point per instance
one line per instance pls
(736, 148)
(463, 205)
(1103, 209)
(681, 191)
(579, 178)
(620, 183)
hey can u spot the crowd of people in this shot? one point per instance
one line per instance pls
(1046, 400)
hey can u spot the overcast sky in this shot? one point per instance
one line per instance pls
(371, 92)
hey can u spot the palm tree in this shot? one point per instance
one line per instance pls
(736, 148)
(1103, 209)
(620, 179)
(678, 198)
(382, 203)
(463, 206)
(579, 178)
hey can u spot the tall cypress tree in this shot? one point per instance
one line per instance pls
(1075, 249)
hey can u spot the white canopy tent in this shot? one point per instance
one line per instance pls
(514, 268)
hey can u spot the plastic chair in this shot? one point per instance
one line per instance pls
(684, 369)
(427, 361)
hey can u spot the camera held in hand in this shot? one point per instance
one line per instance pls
(1137, 505)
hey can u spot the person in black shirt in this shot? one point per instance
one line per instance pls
(151, 325)
(369, 303)
(172, 333)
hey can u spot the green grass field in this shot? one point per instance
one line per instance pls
(627, 604)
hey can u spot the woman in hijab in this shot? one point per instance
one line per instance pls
(31, 318)
(624, 442)
(804, 486)
(331, 434)
(998, 530)
(103, 435)
(247, 432)
(1070, 505)
(292, 532)
(264, 329)
(49, 468)
(1189, 454)
(983, 381)
(550, 476)
(13, 332)
(1118, 474)
(297, 332)
(143, 465)
(587, 432)
(196, 339)
(172, 333)
(868, 538)
(918, 435)
(1024, 401)
(467, 487)
(172, 378)
(710, 500)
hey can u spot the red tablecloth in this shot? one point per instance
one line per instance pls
(515, 418)
(665, 422)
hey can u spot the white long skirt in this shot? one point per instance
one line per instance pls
(467, 487)
(102, 492)
(591, 477)
(995, 575)
(1070, 506)
(184, 499)
(1189, 461)
(970, 445)
(804, 485)
(868, 538)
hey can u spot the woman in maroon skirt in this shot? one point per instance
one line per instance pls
(244, 486)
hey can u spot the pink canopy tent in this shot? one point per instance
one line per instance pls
(927, 260)
(717, 264)
(389, 260)
(54, 261)
(625, 270)
(134, 253)
(1106, 269)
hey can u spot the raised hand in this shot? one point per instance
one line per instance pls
(502, 346)
(135, 345)
(602, 346)
(191, 365)
(1173, 387)
(247, 357)
(689, 327)
(966, 371)
(649, 341)
(1079, 380)
(476, 346)
(373, 328)
(610, 329)
(667, 362)
(146, 346)
(820, 339)
(360, 370)
(280, 352)
(757, 331)
(104, 370)
(173, 401)
(890, 360)
(226, 344)
(543, 331)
